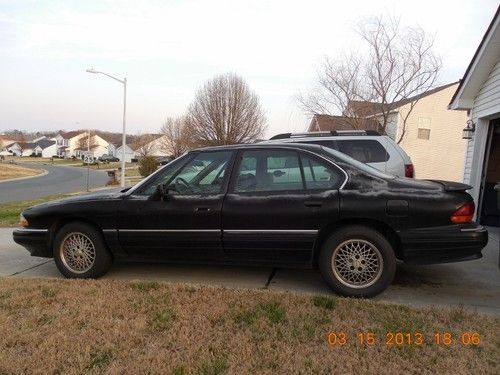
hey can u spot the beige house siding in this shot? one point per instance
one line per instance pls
(442, 155)
(73, 144)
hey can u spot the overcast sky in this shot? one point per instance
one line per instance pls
(167, 49)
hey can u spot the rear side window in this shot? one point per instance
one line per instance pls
(363, 150)
(277, 170)
(320, 175)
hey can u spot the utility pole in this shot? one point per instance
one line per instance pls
(124, 135)
(88, 159)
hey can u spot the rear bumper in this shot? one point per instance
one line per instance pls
(451, 243)
(36, 241)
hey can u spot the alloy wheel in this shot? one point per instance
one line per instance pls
(357, 263)
(77, 252)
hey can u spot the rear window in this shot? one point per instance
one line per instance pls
(363, 150)
(337, 156)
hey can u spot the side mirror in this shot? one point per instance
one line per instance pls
(160, 194)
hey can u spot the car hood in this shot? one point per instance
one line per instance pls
(107, 194)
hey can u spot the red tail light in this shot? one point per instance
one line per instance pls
(464, 214)
(409, 170)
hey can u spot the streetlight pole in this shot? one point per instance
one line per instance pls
(124, 134)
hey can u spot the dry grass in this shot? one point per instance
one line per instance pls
(40, 160)
(8, 171)
(116, 327)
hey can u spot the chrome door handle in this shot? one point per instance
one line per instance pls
(202, 209)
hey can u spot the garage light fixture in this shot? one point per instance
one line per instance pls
(469, 130)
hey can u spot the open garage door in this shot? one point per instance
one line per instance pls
(489, 214)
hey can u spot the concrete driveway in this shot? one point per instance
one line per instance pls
(474, 285)
(59, 179)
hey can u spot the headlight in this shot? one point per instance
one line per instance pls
(22, 221)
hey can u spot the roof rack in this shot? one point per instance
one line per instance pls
(325, 134)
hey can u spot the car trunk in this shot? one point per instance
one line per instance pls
(452, 186)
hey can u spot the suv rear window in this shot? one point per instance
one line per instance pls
(363, 150)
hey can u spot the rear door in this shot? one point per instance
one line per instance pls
(278, 200)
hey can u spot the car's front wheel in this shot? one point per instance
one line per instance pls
(357, 261)
(80, 251)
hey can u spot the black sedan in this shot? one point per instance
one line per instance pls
(286, 205)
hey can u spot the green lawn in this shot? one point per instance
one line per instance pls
(9, 212)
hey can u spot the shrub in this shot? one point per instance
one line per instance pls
(147, 165)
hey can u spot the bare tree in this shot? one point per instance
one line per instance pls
(339, 83)
(175, 138)
(143, 144)
(400, 65)
(87, 142)
(22, 142)
(225, 111)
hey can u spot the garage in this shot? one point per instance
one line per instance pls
(479, 94)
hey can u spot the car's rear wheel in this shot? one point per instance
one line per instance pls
(80, 252)
(357, 261)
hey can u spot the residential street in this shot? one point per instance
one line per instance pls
(474, 284)
(59, 179)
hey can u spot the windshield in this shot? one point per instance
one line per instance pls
(357, 164)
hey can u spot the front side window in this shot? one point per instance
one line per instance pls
(276, 170)
(202, 174)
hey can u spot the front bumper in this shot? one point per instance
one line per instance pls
(451, 243)
(36, 241)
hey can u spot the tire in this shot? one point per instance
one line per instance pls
(357, 261)
(80, 252)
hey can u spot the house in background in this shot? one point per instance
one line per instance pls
(13, 148)
(479, 95)
(155, 147)
(129, 153)
(48, 147)
(67, 142)
(5, 141)
(431, 134)
(43, 147)
(97, 145)
(111, 149)
(328, 123)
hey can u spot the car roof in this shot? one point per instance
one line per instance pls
(294, 145)
(327, 138)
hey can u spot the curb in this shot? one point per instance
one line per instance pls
(44, 172)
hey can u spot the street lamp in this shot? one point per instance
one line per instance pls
(124, 82)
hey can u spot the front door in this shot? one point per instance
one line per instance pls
(277, 202)
(185, 225)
